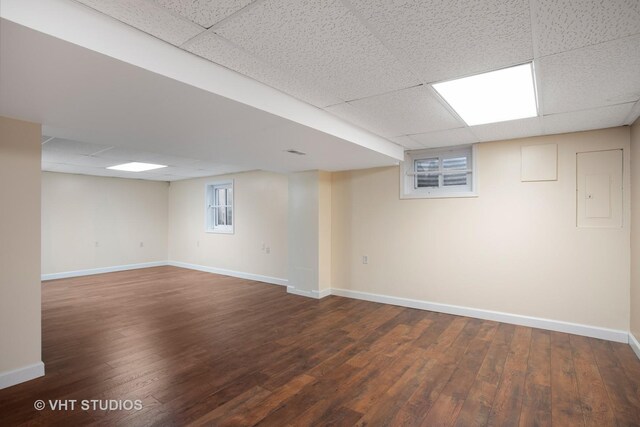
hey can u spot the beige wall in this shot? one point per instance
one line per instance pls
(513, 249)
(303, 230)
(93, 222)
(635, 229)
(324, 230)
(260, 203)
(19, 244)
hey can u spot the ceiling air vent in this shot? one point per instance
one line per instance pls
(299, 153)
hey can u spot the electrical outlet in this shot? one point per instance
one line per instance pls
(142, 244)
(365, 259)
(267, 250)
(97, 244)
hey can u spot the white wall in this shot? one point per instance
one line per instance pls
(635, 229)
(513, 249)
(91, 222)
(20, 357)
(260, 204)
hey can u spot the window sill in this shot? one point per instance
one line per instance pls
(219, 231)
(453, 195)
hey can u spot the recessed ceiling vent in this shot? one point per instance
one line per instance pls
(299, 153)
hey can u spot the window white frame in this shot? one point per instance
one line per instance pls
(409, 174)
(212, 221)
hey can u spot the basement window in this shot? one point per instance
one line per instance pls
(219, 207)
(441, 172)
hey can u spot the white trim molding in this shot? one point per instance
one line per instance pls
(516, 319)
(232, 273)
(635, 345)
(309, 294)
(20, 375)
(91, 271)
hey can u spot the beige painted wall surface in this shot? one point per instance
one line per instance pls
(260, 204)
(324, 230)
(119, 214)
(635, 229)
(303, 230)
(514, 249)
(19, 244)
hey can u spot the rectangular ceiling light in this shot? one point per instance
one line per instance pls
(136, 167)
(496, 96)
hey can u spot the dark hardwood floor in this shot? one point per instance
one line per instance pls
(202, 349)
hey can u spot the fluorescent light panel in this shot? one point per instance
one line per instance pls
(496, 96)
(136, 167)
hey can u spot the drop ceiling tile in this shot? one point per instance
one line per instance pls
(596, 118)
(216, 49)
(149, 18)
(443, 39)
(318, 41)
(403, 112)
(82, 170)
(126, 155)
(67, 146)
(204, 12)
(360, 118)
(569, 24)
(53, 167)
(445, 138)
(406, 142)
(75, 159)
(594, 76)
(508, 130)
(180, 171)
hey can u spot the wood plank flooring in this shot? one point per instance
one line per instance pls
(203, 349)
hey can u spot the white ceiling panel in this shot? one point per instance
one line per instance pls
(68, 146)
(320, 41)
(508, 130)
(76, 159)
(594, 76)
(444, 39)
(83, 170)
(445, 138)
(219, 50)
(204, 12)
(569, 24)
(360, 118)
(406, 142)
(405, 112)
(595, 118)
(149, 18)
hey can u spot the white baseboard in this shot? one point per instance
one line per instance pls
(516, 319)
(89, 272)
(17, 376)
(635, 345)
(232, 273)
(309, 294)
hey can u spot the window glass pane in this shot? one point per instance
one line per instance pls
(221, 216)
(229, 216)
(427, 181)
(427, 165)
(455, 163)
(229, 196)
(455, 179)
